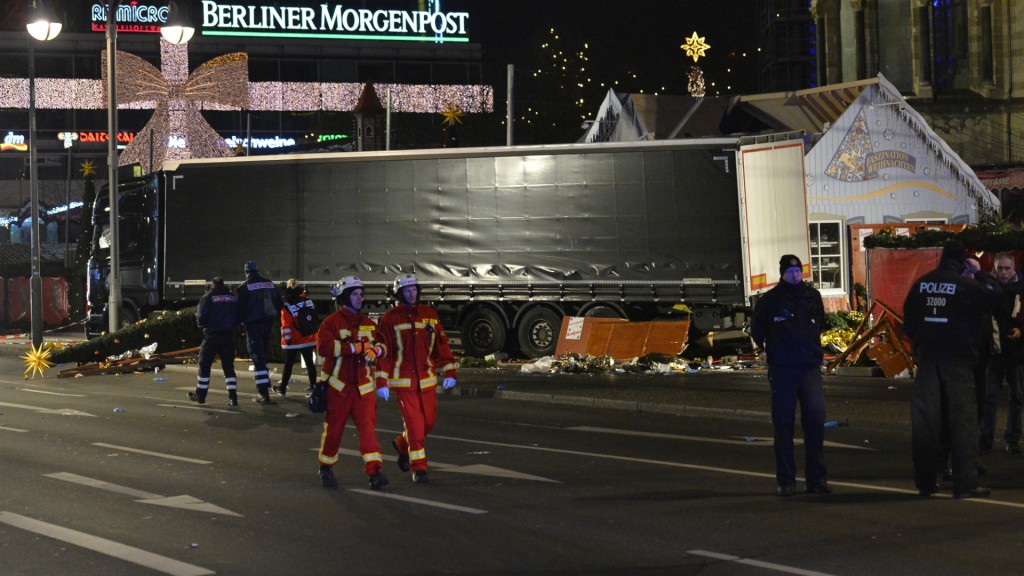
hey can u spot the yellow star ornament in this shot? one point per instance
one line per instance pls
(88, 168)
(37, 360)
(696, 47)
(452, 115)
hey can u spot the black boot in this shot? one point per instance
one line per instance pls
(378, 480)
(199, 396)
(232, 398)
(403, 459)
(327, 479)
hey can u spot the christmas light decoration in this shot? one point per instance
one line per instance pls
(695, 83)
(37, 360)
(695, 47)
(452, 114)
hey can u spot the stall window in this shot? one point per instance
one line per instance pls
(828, 256)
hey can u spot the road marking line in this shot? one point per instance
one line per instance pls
(93, 483)
(103, 546)
(419, 501)
(52, 393)
(184, 501)
(9, 429)
(61, 411)
(199, 407)
(757, 563)
(721, 470)
(148, 453)
(747, 440)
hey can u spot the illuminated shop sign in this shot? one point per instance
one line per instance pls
(94, 136)
(333, 21)
(14, 142)
(275, 142)
(131, 17)
(330, 137)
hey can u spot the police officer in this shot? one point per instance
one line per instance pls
(942, 316)
(787, 324)
(259, 304)
(217, 316)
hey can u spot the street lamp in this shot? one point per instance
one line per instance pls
(114, 276)
(42, 25)
(177, 31)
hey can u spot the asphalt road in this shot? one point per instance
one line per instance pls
(122, 475)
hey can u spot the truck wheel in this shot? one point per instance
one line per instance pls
(538, 332)
(483, 333)
(602, 311)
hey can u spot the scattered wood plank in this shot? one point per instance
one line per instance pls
(129, 365)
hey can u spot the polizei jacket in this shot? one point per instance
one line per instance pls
(787, 323)
(943, 313)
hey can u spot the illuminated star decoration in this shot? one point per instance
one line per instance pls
(88, 168)
(37, 360)
(451, 114)
(695, 47)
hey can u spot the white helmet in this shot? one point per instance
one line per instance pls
(405, 280)
(346, 283)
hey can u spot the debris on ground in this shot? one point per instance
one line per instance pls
(881, 342)
(142, 360)
(650, 364)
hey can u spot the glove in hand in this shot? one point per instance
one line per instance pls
(384, 393)
(449, 383)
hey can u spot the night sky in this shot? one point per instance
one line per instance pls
(638, 36)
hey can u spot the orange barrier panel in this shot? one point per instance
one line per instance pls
(19, 307)
(621, 339)
(892, 271)
(55, 301)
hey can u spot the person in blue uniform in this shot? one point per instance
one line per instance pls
(217, 316)
(942, 316)
(259, 304)
(787, 325)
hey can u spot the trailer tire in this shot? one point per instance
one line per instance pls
(483, 333)
(602, 311)
(538, 332)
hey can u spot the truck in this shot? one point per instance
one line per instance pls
(505, 241)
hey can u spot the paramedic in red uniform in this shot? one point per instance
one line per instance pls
(345, 342)
(416, 351)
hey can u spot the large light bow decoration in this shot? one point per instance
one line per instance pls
(177, 129)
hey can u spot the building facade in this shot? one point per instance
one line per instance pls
(306, 64)
(960, 62)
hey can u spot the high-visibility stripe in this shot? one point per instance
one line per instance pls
(420, 454)
(372, 457)
(365, 389)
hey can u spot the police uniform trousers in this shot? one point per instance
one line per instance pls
(419, 413)
(789, 385)
(257, 335)
(217, 344)
(944, 402)
(363, 410)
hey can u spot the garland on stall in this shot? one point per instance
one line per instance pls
(990, 237)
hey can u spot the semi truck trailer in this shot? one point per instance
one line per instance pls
(505, 241)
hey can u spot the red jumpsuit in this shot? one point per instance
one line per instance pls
(350, 388)
(416, 349)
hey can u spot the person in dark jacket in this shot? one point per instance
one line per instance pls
(1005, 359)
(942, 317)
(787, 324)
(217, 316)
(259, 304)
